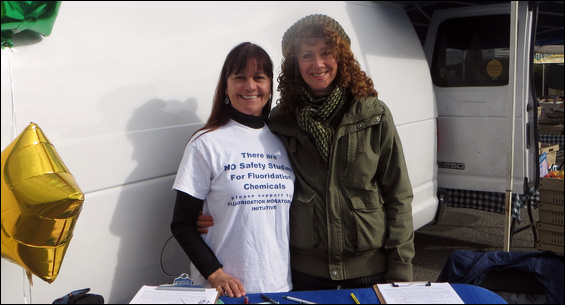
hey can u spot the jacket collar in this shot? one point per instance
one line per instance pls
(360, 110)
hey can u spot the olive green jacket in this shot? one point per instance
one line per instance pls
(353, 219)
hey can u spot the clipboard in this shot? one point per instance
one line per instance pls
(181, 291)
(183, 282)
(416, 293)
(379, 294)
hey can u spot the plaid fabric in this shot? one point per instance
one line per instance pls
(534, 197)
(552, 139)
(490, 201)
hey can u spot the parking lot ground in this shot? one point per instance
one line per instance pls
(465, 229)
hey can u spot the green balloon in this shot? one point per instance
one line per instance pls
(35, 16)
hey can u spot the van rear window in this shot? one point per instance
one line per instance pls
(472, 52)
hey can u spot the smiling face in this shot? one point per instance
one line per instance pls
(249, 90)
(318, 65)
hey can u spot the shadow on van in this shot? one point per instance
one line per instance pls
(158, 132)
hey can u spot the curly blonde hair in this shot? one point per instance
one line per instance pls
(349, 75)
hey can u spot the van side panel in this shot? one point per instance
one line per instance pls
(416, 140)
(119, 87)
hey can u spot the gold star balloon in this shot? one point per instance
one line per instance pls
(41, 203)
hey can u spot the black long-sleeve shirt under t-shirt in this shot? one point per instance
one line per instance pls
(185, 231)
(186, 211)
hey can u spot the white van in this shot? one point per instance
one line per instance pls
(119, 87)
(471, 58)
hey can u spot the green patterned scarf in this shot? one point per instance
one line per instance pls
(314, 116)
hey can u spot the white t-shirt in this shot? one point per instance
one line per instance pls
(246, 181)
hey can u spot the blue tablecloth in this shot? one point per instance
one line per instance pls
(470, 294)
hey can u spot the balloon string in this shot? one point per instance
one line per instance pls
(14, 125)
(28, 284)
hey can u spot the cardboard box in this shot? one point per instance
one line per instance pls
(550, 234)
(546, 129)
(548, 105)
(551, 150)
(543, 166)
(550, 225)
(551, 214)
(548, 247)
(556, 115)
(551, 191)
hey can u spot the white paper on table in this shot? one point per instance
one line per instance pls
(152, 295)
(419, 293)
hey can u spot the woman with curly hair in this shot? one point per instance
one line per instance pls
(351, 215)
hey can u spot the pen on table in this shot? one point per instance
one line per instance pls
(266, 298)
(246, 300)
(354, 298)
(300, 301)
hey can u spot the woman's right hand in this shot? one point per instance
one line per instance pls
(203, 223)
(230, 286)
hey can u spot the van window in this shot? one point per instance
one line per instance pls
(472, 51)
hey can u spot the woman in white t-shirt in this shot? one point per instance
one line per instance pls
(235, 170)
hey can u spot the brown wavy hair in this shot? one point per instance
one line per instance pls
(349, 74)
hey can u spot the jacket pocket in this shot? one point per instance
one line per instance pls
(361, 153)
(302, 222)
(370, 221)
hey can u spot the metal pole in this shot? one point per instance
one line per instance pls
(512, 120)
(543, 80)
